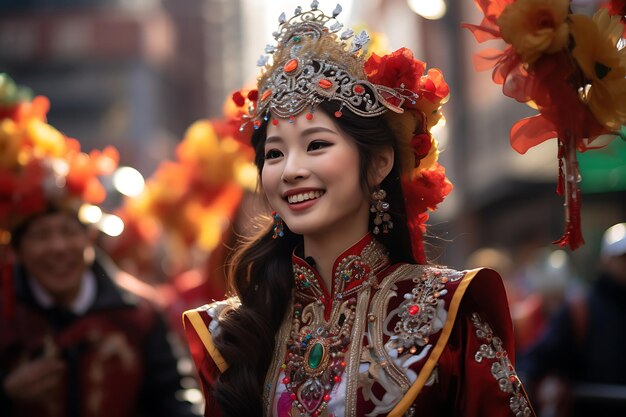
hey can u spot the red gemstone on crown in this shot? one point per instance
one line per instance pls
(325, 83)
(291, 65)
(414, 309)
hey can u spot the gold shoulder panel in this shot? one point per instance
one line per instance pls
(432, 360)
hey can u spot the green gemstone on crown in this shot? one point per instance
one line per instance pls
(316, 355)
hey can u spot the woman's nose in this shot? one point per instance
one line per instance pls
(295, 169)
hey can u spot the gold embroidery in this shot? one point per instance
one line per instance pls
(320, 343)
(355, 349)
(376, 329)
(501, 368)
(271, 379)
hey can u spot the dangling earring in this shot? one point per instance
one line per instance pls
(380, 207)
(278, 226)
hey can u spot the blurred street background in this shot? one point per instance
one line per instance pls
(137, 73)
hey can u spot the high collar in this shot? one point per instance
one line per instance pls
(83, 301)
(356, 267)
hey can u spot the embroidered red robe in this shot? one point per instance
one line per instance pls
(420, 341)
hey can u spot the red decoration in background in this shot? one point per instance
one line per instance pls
(556, 82)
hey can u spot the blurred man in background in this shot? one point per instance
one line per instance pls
(77, 338)
(82, 342)
(583, 348)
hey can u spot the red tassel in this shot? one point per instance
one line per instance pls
(560, 186)
(569, 177)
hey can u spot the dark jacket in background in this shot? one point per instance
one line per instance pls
(119, 362)
(585, 343)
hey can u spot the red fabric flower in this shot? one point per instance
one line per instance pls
(395, 69)
(433, 86)
(423, 192)
(617, 7)
(421, 145)
(426, 190)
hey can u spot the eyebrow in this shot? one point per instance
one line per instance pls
(309, 131)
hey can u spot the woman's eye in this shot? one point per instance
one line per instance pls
(318, 144)
(273, 154)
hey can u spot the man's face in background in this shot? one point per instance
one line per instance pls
(52, 250)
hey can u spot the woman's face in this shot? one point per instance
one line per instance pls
(311, 177)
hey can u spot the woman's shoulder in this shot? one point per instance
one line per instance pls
(417, 308)
(201, 325)
(434, 280)
(209, 315)
(442, 282)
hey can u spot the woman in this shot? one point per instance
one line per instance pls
(334, 316)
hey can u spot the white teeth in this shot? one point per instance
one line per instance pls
(298, 198)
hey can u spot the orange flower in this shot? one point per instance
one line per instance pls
(595, 51)
(534, 27)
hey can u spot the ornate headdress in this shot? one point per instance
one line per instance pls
(316, 59)
(311, 64)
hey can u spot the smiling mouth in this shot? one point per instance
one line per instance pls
(299, 198)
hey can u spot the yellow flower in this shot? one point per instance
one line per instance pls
(47, 141)
(214, 157)
(535, 27)
(595, 51)
(211, 227)
(9, 144)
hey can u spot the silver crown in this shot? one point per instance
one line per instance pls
(305, 77)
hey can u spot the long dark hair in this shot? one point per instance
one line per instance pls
(261, 275)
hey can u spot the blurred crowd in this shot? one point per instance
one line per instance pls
(570, 331)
